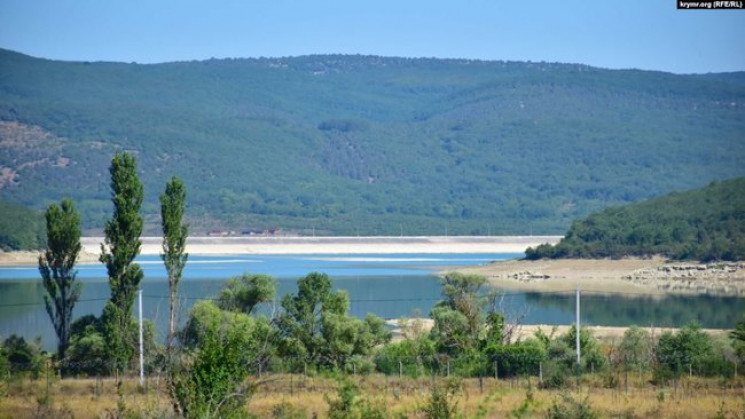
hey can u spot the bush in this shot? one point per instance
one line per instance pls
(211, 381)
(569, 408)
(520, 358)
(689, 348)
(635, 349)
(441, 403)
(348, 404)
(416, 357)
(23, 357)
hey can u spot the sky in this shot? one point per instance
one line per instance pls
(641, 34)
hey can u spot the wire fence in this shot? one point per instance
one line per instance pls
(293, 376)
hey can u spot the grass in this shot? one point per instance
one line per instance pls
(689, 398)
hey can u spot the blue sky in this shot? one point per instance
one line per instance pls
(643, 34)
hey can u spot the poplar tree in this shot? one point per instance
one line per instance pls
(57, 269)
(172, 203)
(121, 246)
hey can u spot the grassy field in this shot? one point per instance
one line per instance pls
(300, 396)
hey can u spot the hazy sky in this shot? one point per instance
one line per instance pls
(644, 34)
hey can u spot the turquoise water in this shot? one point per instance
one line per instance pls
(390, 286)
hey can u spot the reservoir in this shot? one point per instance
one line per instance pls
(390, 286)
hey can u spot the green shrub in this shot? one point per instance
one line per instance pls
(441, 403)
(569, 408)
(520, 358)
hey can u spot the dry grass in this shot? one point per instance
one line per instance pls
(689, 398)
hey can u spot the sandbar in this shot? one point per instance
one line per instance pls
(314, 245)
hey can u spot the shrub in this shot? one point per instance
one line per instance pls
(517, 359)
(415, 355)
(569, 408)
(442, 403)
(23, 357)
(211, 382)
(689, 348)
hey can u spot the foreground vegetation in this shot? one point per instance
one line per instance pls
(378, 396)
(704, 224)
(366, 145)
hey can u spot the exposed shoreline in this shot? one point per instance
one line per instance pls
(214, 246)
(522, 332)
(654, 276)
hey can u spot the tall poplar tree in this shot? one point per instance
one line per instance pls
(172, 203)
(57, 269)
(121, 246)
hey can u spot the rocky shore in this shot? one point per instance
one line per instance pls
(723, 278)
(642, 276)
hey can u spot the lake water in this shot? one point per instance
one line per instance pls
(390, 286)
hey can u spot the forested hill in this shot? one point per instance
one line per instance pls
(703, 224)
(366, 145)
(21, 228)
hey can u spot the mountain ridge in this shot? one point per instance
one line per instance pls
(367, 145)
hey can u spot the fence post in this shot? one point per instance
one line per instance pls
(448, 368)
(540, 372)
(625, 374)
(690, 370)
(496, 371)
(400, 369)
(47, 395)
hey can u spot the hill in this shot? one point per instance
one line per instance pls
(365, 145)
(21, 228)
(705, 224)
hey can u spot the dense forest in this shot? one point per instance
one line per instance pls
(21, 228)
(365, 145)
(703, 224)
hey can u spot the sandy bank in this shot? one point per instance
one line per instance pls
(526, 331)
(647, 276)
(316, 245)
(25, 257)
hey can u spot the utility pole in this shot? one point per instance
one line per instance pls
(577, 330)
(142, 356)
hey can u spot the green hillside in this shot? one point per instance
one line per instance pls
(21, 228)
(366, 145)
(703, 224)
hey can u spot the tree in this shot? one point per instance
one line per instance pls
(315, 324)
(221, 349)
(459, 319)
(636, 348)
(300, 324)
(172, 203)
(245, 292)
(57, 268)
(691, 347)
(738, 338)
(121, 246)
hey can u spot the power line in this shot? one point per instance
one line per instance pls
(568, 294)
